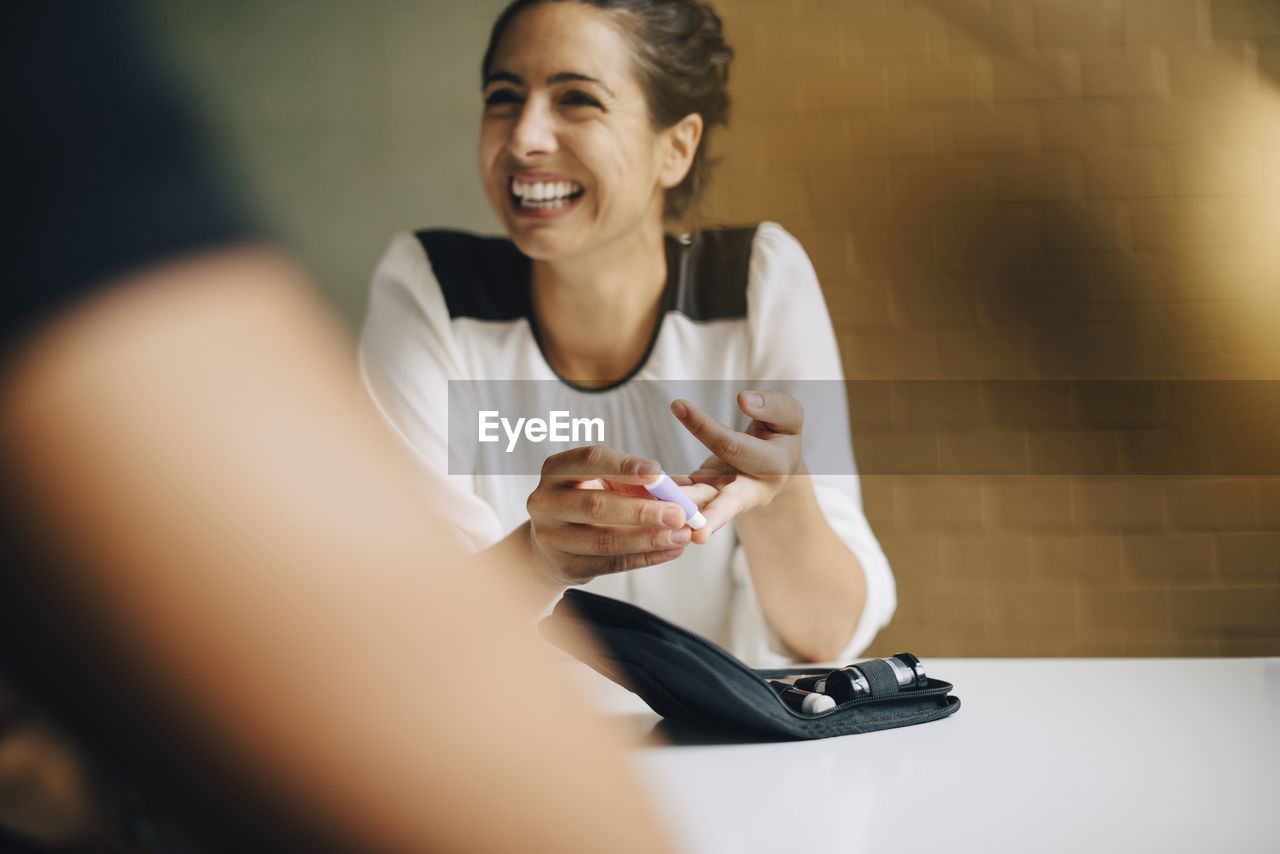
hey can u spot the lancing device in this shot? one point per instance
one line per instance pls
(803, 701)
(666, 489)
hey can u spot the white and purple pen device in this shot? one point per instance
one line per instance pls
(666, 489)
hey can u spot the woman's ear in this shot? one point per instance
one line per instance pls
(682, 140)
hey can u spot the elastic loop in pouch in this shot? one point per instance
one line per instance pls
(881, 677)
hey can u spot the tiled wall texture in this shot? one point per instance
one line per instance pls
(1048, 232)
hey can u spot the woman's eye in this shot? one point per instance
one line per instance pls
(578, 99)
(500, 97)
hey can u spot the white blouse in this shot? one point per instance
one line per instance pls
(415, 341)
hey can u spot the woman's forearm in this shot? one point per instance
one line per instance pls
(810, 585)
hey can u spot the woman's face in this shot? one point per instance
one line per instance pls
(570, 160)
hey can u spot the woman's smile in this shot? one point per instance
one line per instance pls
(543, 196)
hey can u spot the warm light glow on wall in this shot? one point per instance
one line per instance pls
(1081, 197)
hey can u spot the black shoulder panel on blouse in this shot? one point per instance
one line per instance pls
(707, 276)
(487, 278)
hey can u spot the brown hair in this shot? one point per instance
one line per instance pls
(682, 63)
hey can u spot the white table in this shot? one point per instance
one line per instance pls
(1045, 755)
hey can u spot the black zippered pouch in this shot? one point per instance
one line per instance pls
(685, 677)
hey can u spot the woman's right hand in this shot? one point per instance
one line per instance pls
(591, 515)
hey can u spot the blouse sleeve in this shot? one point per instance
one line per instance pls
(407, 357)
(793, 349)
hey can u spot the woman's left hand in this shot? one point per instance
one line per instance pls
(748, 469)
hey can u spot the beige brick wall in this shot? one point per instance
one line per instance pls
(1012, 205)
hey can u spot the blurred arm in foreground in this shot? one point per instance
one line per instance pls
(233, 582)
(219, 578)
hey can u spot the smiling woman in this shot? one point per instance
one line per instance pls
(592, 140)
(547, 100)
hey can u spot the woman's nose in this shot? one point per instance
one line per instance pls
(534, 131)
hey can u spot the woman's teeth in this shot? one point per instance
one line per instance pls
(539, 195)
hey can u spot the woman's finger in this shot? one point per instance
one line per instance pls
(586, 568)
(698, 492)
(596, 461)
(734, 499)
(605, 507)
(714, 479)
(738, 449)
(701, 493)
(616, 540)
(780, 412)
